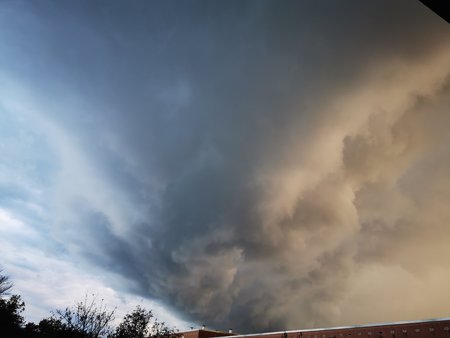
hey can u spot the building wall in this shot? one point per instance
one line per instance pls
(203, 334)
(439, 328)
(425, 329)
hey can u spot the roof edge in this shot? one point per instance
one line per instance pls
(342, 327)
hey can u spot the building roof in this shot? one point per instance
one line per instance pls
(401, 323)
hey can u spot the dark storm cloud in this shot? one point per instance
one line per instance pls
(246, 143)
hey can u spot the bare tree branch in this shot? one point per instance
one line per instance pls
(87, 318)
(5, 284)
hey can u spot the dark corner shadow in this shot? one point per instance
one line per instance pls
(440, 7)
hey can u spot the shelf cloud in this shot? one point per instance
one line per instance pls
(257, 165)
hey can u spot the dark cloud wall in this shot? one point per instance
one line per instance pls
(279, 155)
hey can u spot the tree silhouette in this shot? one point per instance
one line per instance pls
(141, 323)
(5, 284)
(85, 319)
(160, 329)
(11, 319)
(134, 324)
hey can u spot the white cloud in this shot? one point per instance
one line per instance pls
(48, 281)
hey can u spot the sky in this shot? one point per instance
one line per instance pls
(259, 165)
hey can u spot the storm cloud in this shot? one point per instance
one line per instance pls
(249, 164)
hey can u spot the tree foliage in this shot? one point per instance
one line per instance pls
(11, 308)
(141, 323)
(160, 329)
(11, 312)
(5, 284)
(51, 328)
(134, 324)
(86, 318)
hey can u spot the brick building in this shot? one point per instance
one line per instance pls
(433, 328)
(204, 333)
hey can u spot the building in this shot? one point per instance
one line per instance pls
(433, 328)
(204, 333)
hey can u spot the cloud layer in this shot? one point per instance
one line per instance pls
(255, 165)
